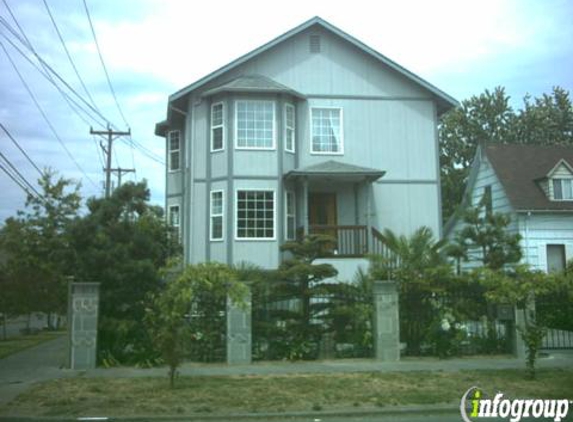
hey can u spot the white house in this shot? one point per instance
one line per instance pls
(534, 185)
(313, 132)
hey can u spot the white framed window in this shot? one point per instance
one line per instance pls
(216, 215)
(326, 130)
(290, 215)
(174, 150)
(174, 216)
(563, 189)
(217, 127)
(290, 128)
(255, 215)
(255, 125)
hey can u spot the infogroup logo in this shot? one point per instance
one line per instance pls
(475, 406)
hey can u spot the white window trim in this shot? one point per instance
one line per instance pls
(169, 151)
(236, 212)
(341, 152)
(222, 125)
(170, 212)
(552, 180)
(287, 193)
(273, 147)
(287, 106)
(222, 215)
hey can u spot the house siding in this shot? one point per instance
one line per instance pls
(541, 229)
(389, 123)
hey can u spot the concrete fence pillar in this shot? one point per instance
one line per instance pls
(83, 305)
(239, 337)
(386, 321)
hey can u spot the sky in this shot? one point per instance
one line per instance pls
(152, 48)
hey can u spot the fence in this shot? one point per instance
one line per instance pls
(555, 311)
(453, 322)
(207, 318)
(325, 321)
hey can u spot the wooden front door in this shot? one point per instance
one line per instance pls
(322, 209)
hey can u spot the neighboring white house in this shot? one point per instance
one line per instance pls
(534, 184)
(313, 132)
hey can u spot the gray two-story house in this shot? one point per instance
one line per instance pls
(313, 132)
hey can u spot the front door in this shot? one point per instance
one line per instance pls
(322, 209)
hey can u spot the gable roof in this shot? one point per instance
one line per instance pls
(521, 167)
(444, 101)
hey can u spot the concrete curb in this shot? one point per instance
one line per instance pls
(351, 412)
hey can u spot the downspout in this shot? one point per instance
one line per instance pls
(526, 231)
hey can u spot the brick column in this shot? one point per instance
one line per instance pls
(239, 337)
(386, 322)
(83, 303)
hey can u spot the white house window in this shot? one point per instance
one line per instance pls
(290, 215)
(289, 127)
(255, 214)
(216, 211)
(174, 215)
(563, 189)
(255, 124)
(326, 130)
(174, 147)
(217, 127)
(556, 261)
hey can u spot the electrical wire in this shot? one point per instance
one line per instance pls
(103, 64)
(20, 148)
(69, 55)
(22, 178)
(47, 120)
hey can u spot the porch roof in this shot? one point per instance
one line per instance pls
(335, 169)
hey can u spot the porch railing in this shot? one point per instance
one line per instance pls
(351, 241)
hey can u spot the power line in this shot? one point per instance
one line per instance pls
(69, 55)
(48, 72)
(103, 64)
(20, 148)
(11, 176)
(48, 122)
(22, 178)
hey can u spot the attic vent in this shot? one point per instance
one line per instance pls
(314, 43)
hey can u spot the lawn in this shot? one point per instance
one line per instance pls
(16, 344)
(249, 394)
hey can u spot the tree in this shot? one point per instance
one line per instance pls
(302, 279)
(38, 249)
(419, 258)
(490, 119)
(121, 243)
(489, 233)
(167, 317)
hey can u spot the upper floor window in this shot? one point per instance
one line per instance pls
(255, 123)
(487, 200)
(563, 189)
(326, 131)
(174, 150)
(289, 127)
(255, 214)
(217, 127)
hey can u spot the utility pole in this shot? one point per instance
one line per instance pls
(119, 172)
(111, 136)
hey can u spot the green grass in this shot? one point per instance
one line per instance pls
(16, 344)
(221, 395)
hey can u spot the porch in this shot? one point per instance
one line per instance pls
(335, 199)
(351, 241)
